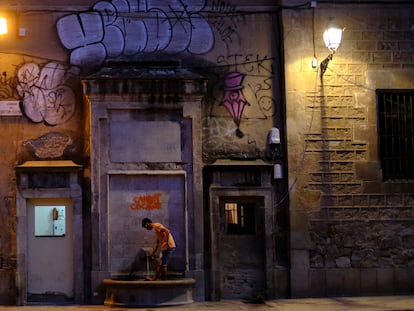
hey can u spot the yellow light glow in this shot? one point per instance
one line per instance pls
(3, 26)
(333, 35)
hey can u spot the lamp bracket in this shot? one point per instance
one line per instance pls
(325, 62)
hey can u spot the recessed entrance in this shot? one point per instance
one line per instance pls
(241, 248)
(241, 221)
(49, 233)
(49, 244)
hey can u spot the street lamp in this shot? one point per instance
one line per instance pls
(332, 38)
(3, 25)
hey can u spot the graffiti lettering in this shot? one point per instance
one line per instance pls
(44, 94)
(261, 64)
(225, 22)
(249, 62)
(147, 202)
(117, 28)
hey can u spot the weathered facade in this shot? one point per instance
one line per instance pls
(211, 117)
(351, 225)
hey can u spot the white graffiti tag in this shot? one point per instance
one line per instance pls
(128, 27)
(45, 97)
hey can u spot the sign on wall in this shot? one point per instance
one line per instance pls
(10, 108)
(145, 141)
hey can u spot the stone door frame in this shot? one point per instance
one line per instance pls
(72, 192)
(216, 193)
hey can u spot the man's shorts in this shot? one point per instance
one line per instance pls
(165, 256)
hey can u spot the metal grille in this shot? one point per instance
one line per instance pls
(396, 133)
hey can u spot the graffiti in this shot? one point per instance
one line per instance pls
(147, 202)
(128, 27)
(49, 146)
(225, 21)
(266, 104)
(7, 87)
(218, 134)
(45, 97)
(246, 91)
(261, 71)
(250, 63)
(233, 98)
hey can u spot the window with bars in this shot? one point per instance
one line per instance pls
(239, 218)
(396, 134)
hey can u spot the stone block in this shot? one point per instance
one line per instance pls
(367, 171)
(385, 281)
(299, 279)
(352, 282)
(395, 200)
(334, 282)
(148, 293)
(300, 258)
(281, 277)
(403, 278)
(371, 187)
(317, 281)
(368, 281)
(7, 293)
(299, 221)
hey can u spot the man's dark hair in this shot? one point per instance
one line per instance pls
(146, 221)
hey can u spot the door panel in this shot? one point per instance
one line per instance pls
(49, 250)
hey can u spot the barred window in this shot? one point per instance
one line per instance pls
(239, 217)
(396, 134)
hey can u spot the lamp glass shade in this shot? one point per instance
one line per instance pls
(332, 36)
(3, 26)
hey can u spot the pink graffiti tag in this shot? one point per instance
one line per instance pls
(147, 202)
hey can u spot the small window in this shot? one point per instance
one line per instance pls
(239, 218)
(396, 134)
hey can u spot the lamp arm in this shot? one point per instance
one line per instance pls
(325, 62)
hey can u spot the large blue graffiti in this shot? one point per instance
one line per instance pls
(129, 27)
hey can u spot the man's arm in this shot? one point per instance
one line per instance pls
(154, 248)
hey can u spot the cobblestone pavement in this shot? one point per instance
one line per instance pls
(386, 303)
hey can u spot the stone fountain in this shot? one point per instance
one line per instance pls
(133, 290)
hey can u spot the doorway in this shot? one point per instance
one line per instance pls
(241, 248)
(241, 253)
(50, 271)
(49, 233)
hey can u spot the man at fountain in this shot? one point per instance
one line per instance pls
(165, 240)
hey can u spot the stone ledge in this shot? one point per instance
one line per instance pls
(141, 293)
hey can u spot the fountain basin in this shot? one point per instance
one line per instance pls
(141, 293)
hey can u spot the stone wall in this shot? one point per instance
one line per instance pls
(351, 232)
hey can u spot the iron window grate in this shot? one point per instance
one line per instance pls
(396, 134)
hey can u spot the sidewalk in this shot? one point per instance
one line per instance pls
(386, 303)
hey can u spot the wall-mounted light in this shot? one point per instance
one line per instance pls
(3, 25)
(274, 136)
(332, 38)
(332, 35)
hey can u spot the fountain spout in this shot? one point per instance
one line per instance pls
(146, 251)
